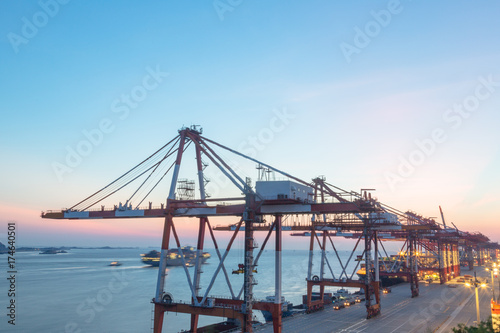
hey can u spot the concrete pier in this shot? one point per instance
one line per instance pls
(438, 309)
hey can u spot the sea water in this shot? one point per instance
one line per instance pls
(78, 292)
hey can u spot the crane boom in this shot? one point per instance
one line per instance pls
(442, 216)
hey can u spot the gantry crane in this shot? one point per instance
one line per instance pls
(327, 208)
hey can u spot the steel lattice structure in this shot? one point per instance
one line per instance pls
(328, 210)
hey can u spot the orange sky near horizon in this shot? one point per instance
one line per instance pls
(32, 230)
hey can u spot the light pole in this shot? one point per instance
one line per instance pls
(476, 284)
(493, 270)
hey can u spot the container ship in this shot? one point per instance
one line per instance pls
(174, 258)
(386, 280)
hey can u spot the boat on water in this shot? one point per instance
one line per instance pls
(115, 263)
(328, 298)
(53, 251)
(287, 308)
(344, 293)
(174, 257)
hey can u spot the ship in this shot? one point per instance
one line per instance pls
(174, 257)
(342, 293)
(53, 251)
(397, 263)
(385, 280)
(328, 298)
(287, 309)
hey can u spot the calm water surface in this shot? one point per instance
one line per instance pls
(79, 292)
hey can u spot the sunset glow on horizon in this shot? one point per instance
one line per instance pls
(392, 96)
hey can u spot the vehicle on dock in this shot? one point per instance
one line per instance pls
(349, 301)
(338, 306)
(468, 277)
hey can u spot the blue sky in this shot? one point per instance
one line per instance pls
(351, 118)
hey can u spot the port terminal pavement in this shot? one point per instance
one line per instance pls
(439, 308)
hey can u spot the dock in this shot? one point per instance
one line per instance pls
(323, 212)
(437, 309)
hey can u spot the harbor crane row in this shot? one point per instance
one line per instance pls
(329, 211)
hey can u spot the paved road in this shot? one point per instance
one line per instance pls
(437, 309)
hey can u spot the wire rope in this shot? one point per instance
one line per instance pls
(162, 177)
(169, 153)
(109, 187)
